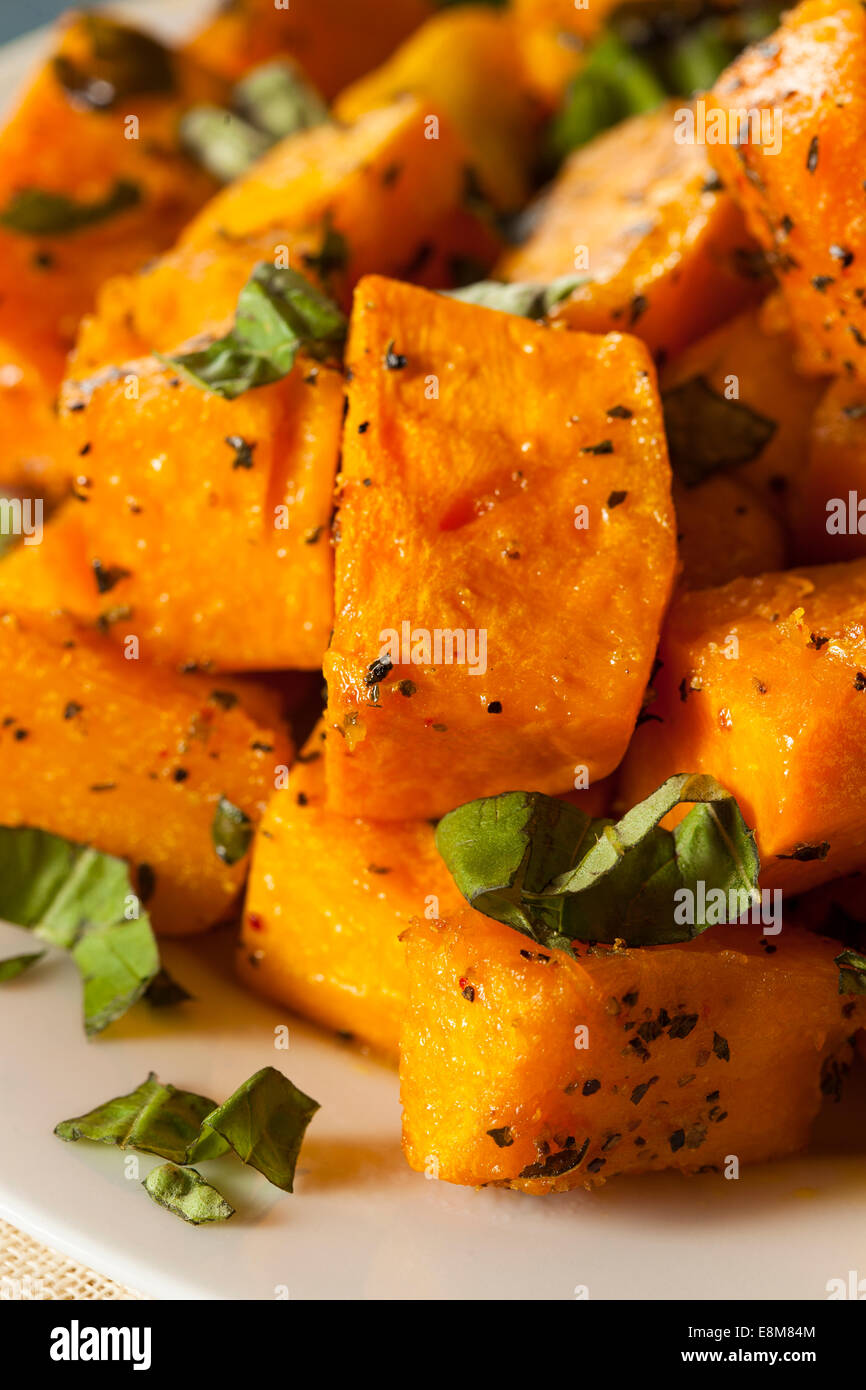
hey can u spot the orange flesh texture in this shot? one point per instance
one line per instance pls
(335, 41)
(456, 513)
(663, 248)
(724, 531)
(780, 723)
(824, 531)
(93, 746)
(467, 66)
(162, 469)
(336, 956)
(803, 200)
(758, 363)
(689, 1054)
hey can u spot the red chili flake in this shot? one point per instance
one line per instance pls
(254, 922)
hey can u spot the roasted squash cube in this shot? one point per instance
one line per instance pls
(828, 501)
(134, 760)
(494, 472)
(529, 1069)
(763, 685)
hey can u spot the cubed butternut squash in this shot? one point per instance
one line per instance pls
(797, 170)
(328, 899)
(828, 503)
(763, 685)
(336, 41)
(93, 182)
(532, 1070)
(134, 760)
(493, 471)
(204, 523)
(467, 65)
(663, 248)
(724, 531)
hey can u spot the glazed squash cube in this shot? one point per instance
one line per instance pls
(467, 65)
(828, 503)
(797, 170)
(93, 182)
(763, 685)
(663, 251)
(205, 524)
(336, 41)
(493, 472)
(725, 531)
(134, 760)
(529, 1069)
(328, 899)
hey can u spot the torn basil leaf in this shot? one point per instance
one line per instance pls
(155, 1119)
(122, 62)
(76, 898)
(38, 212)
(13, 966)
(163, 992)
(221, 142)
(852, 972)
(186, 1193)
(278, 314)
(707, 433)
(556, 875)
(277, 99)
(264, 1121)
(613, 84)
(231, 831)
(529, 301)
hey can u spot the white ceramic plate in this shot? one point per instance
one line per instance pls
(361, 1225)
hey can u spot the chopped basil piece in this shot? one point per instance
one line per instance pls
(852, 972)
(123, 62)
(13, 966)
(278, 314)
(708, 433)
(278, 100)
(221, 142)
(555, 874)
(613, 83)
(76, 898)
(529, 301)
(155, 1119)
(39, 212)
(163, 992)
(186, 1193)
(231, 831)
(264, 1121)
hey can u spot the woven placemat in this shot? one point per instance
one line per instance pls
(29, 1270)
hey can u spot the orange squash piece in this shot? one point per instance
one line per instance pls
(72, 136)
(336, 41)
(467, 65)
(532, 1070)
(751, 362)
(725, 531)
(206, 525)
(800, 181)
(664, 250)
(828, 519)
(132, 759)
(493, 471)
(328, 899)
(763, 685)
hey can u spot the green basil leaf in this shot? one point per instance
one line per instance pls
(122, 63)
(613, 84)
(852, 972)
(155, 1119)
(277, 99)
(526, 300)
(278, 313)
(38, 212)
(186, 1193)
(708, 433)
(231, 831)
(333, 254)
(557, 876)
(221, 142)
(13, 966)
(264, 1121)
(76, 898)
